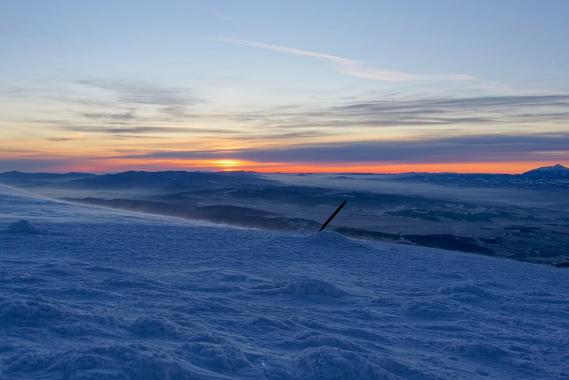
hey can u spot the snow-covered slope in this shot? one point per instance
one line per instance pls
(96, 294)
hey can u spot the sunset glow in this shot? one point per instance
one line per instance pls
(100, 165)
(228, 164)
(211, 95)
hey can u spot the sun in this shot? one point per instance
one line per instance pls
(227, 164)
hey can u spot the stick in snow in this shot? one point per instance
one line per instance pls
(332, 216)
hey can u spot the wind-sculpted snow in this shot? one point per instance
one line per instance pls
(103, 295)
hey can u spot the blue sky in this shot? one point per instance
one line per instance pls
(100, 82)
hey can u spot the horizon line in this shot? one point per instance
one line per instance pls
(63, 172)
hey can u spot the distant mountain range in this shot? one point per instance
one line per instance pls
(554, 177)
(167, 180)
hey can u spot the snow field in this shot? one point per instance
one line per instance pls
(97, 294)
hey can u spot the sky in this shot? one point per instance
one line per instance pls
(284, 86)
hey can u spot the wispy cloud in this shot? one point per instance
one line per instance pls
(109, 116)
(421, 113)
(142, 130)
(538, 147)
(132, 94)
(456, 111)
(141, 92)
(60, 139)
(348, 66)
(477, 148)
(33, 163)
(123, 109)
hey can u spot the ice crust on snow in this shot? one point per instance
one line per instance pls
(110, 296)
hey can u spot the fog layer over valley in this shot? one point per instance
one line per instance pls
(524, 217)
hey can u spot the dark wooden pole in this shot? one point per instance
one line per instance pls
(332, 216)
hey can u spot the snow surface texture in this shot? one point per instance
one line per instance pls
(98, 294)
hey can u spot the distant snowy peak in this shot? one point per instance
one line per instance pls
(549, 171)
(552, 168)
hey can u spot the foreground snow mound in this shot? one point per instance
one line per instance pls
(23, 227)
(156, 327)
(29, 313)
(334, 240)
(306, 287)
(101, 362)
(329, 363)
(111, 296)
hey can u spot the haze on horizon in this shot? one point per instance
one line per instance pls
(296, 86)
